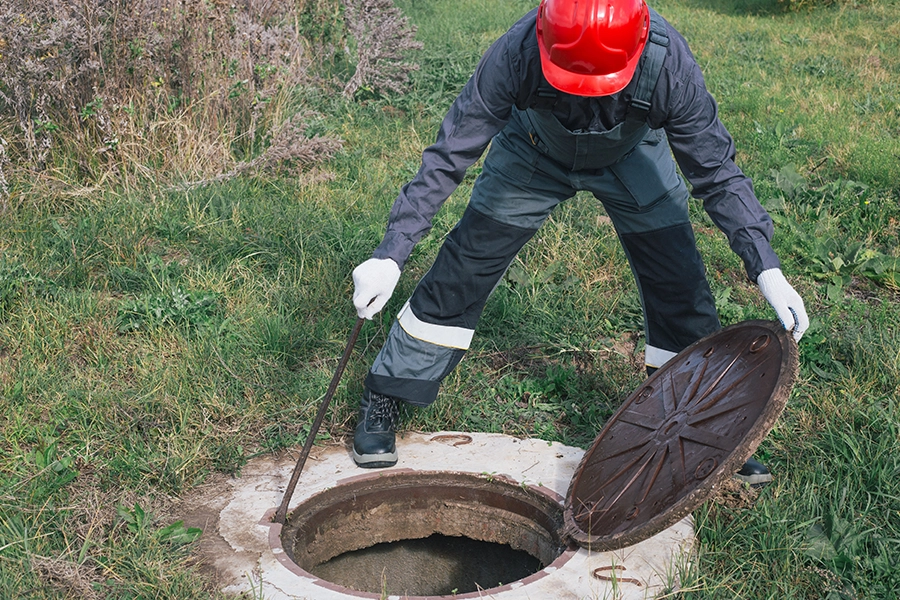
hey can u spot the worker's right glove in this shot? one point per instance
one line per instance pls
(785, 300)
(374, 282)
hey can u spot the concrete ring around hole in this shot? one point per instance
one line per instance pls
(242, 550)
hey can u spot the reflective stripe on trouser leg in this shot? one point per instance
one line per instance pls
(647, 202)
(434, 329)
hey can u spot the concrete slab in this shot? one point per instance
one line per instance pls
(238, 541)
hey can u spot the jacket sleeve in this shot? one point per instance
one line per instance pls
(705, 153)
(480, 111)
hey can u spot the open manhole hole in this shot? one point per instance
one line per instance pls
(425, 533)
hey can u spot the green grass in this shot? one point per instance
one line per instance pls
(149, 339)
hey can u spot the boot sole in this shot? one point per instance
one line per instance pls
(756, 480)
(375, 461)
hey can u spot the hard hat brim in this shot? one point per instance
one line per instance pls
(588, 85)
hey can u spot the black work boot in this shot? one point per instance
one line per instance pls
(373, 443)
(754, 473)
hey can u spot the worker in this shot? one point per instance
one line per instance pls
(596, 95)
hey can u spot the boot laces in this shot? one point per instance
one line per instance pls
(383, 410)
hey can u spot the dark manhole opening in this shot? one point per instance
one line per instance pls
(425, 533)
(438, 565)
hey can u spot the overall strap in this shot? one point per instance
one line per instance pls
(546, 96)
(651, 65)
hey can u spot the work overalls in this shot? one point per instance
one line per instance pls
(533, 164)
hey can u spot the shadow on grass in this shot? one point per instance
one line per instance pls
(739, 7)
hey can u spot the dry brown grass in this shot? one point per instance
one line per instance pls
(174, 93)
(73, 579)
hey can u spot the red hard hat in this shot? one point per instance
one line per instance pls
(591, 47)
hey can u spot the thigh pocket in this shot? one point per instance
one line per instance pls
(510, 157)
(648, 172)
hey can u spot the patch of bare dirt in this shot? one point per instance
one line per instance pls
(734, 494)
(200, 508)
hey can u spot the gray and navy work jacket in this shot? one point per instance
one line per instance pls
(509, 77)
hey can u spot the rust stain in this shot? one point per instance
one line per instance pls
(597, 575)
(461, 439)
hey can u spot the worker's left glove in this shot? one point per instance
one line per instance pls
(785, 300)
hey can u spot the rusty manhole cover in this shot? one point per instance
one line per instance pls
(687, 428)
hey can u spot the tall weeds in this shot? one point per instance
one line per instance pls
(168, 91)
(384, 38)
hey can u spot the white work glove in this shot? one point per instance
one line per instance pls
(785, 300)
(374, 282)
